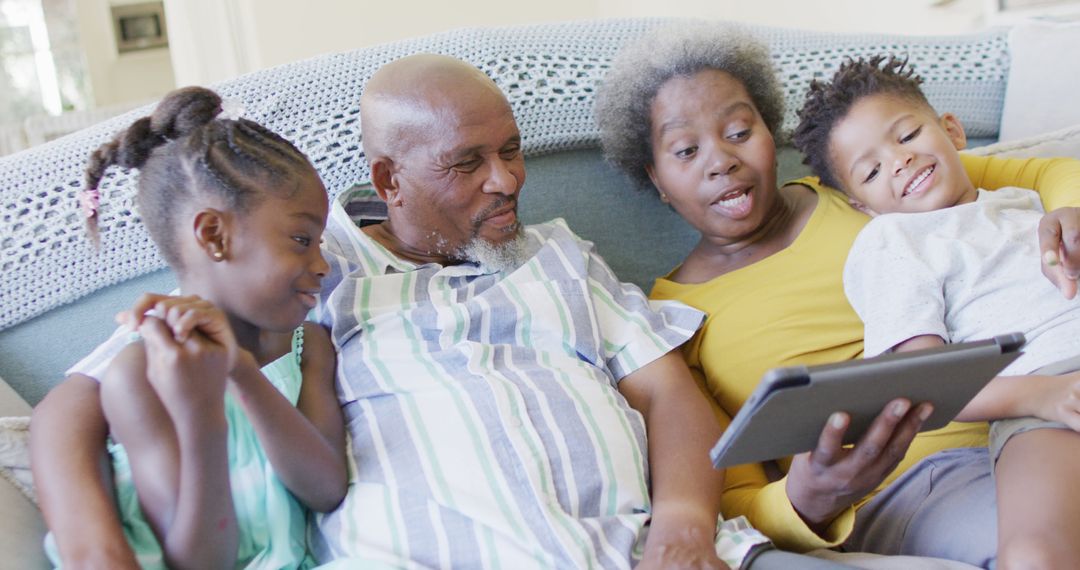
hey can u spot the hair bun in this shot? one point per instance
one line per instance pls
(183, 111)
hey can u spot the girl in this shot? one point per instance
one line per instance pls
(223, 415)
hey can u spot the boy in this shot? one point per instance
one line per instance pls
(945, 262)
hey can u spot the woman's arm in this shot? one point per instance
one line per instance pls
(782, 509)
(823, 483)
(1057, 180)
(72, 477)
(306, 443)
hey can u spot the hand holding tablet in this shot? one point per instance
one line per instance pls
(789, 409)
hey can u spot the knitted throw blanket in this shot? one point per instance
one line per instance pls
(549, 73)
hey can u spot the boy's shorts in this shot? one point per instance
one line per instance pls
(1002, 430)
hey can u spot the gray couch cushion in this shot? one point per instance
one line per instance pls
(34, 354)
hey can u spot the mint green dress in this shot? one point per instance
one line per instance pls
(272, 523)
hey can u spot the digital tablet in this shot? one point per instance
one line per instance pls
(787, 412)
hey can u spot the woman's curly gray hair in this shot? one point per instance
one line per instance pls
(624, 101)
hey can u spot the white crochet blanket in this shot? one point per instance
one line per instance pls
(549, 72)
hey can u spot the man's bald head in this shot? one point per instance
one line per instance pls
(445, 156)
(405, 98)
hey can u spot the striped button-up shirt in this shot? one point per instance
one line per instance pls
(486, 426)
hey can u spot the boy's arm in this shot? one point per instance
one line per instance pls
(1053, 398)
(71, 475)
(686, 489)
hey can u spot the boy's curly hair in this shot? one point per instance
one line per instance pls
(827, 103)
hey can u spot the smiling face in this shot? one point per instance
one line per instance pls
(895, 155)
(273, 265)
(714, 159)
(460, 183)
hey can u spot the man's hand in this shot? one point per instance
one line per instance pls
(685, 488)
(682, 556)
(676, 545)
(823, 483)
(1059, 242)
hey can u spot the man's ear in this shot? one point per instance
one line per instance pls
(955, 130)
(652, 178)
(384, 179)
(861, 207)
(211, 229)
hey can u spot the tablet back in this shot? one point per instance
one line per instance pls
(787, 411)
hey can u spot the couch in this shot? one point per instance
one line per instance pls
(57, 294)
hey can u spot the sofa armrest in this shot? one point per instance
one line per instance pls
(22, 529)
(10, 402)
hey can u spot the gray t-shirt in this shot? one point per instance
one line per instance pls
(963, 273)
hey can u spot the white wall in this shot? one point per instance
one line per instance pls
(337, 25)
(265, 33)
(218, 39)
(117, 78)
(908, 17)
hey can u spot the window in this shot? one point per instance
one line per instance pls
(42, 70)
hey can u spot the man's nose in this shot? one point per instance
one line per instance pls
(501, 178)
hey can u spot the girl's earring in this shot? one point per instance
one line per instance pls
(218, 255)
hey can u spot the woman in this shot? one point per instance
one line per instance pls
(692, 112)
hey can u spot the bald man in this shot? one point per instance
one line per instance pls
(445, 156)
(497, 380)
(499, 369)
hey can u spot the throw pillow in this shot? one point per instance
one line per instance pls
(1063, 142)
(15, 454)
(1041, 92)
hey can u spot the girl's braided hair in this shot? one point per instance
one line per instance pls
(183, 150)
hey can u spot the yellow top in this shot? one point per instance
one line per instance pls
(789, 309)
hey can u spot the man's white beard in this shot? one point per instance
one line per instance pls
(492, 257)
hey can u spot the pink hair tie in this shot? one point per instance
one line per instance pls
(90, 200)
